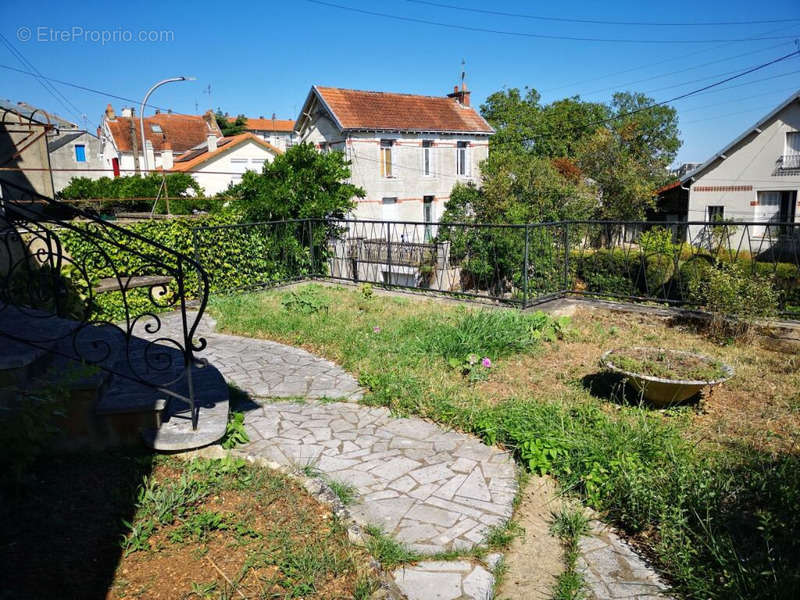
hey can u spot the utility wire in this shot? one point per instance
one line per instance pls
(670, 59)
(700, 90)
(537, 35)
(63, 100)
(600, 21)
(80, 87)
(684, 70)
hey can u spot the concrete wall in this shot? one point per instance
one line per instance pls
(23, 146)
(750, 168)
(248, 156)
(280, 139)
(64, 158)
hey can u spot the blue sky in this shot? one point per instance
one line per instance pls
(262, 57)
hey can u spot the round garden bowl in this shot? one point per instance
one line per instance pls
(666, 377)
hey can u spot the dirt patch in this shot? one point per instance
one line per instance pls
(534, 560)
(251, 532)
(759, 407)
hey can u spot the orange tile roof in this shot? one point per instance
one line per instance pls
(197, 157)
(356, 109)
(259, 124)
(182, 132)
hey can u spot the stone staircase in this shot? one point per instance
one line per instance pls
(116, 389)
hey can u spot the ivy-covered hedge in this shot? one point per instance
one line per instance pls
(233, 257)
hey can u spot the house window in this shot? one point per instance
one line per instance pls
(156, 128)
(427, 216)
(716, 213)
(80, 153)
(791, 155)
(427, 157)
(386, 158)
(462, 158)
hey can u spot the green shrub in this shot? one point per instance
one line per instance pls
(658, 272)
(614, 272)
(736, 299)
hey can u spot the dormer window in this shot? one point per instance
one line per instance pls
(155, 128)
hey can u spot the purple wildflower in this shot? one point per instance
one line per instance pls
(376, 329)
(487, 362)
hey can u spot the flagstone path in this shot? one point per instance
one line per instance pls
(432, 489)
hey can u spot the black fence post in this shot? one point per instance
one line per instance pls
(526, 266)
(566, 257)
(310, 223)
(389, 251)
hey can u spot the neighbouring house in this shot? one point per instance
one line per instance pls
(754, 178)
(123, 151)
(46, 141)
(407, 151)
(278, 132)
(219, 163)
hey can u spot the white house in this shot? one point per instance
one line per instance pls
(754, 178)
(123, 152)
(278, 132)
(217, 164)
(407, 151)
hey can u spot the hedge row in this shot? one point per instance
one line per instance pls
(232, 257)
(620, 272)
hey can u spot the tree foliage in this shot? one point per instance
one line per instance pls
(132, 186)
(623, 147)
(301, 183)
(228, 126)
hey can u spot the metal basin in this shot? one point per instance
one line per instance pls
(661, 392)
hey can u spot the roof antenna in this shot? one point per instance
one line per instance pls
(207, 90)
(463, 73)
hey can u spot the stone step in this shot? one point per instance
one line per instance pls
(211, 399)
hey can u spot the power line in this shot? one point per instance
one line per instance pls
(63, 100)
(697, 91)
(684, 70)
(599, 21)
(659, 62)
(81, 87)
(537, 35)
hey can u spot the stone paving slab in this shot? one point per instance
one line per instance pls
(614, 571)
(266, 369)
(440, 580)
(431, 489)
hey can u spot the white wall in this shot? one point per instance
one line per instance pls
(246, 156)
(750, 167)
(408, 183)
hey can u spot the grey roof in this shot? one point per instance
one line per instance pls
(26, 110)
(64, 139)
(753, 129)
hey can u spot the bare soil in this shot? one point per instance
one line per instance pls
(534, 560)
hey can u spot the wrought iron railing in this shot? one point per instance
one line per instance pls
(520, 265)
(54, 294)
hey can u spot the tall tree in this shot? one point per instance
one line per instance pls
(301, 183)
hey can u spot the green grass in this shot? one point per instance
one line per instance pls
(569, 525)
(722, 522)
(344, 491)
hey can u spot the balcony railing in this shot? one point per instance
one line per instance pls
(788, 162)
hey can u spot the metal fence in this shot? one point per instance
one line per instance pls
(520, 265)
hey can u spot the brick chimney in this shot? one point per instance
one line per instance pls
(460, 95)
(110, 112)
(210, 119)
